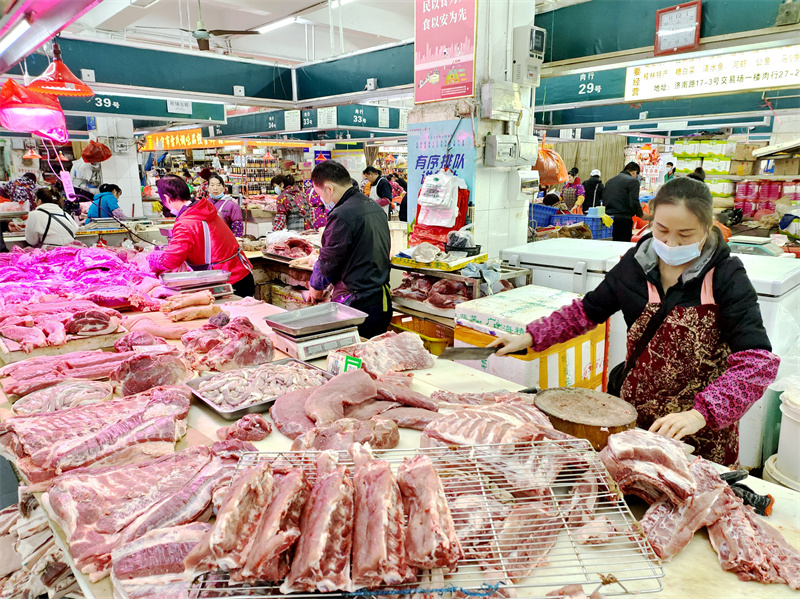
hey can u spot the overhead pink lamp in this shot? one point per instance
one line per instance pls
(58, 80)
(25, 111)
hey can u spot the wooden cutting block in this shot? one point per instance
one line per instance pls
(586, 413)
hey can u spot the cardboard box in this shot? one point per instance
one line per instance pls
(742, 167)
(744, 151)
(716, 166)
(787, 166)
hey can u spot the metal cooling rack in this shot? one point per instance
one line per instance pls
(625, 565)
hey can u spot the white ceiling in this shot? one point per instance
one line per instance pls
(366, 24)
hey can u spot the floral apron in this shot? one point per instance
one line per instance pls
(683, 358)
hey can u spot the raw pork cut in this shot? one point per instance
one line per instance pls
(649, 465)
(30, 375)
(66, 394)
(390, 352)
(137, 339)
(102, 509)
(598, 531)
(405, 396)
(146, 324)
(326, 403)
(378, 525)
(289, 413)
(414, 286)
(202, 340)
(118, 431)
(177, 302)
(145, 371)
(431, 540)
(368, 409)
(380, 433)
(250, 427)
(414, 418)
(94, 322)
(291, 248)
(227, 543)
(244, 346)
(152, 566)
(194, 313)
(279, 529)
(574, 591)
(322, 557)
(446, 294)
(29, 338)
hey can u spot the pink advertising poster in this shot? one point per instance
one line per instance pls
(444, 50)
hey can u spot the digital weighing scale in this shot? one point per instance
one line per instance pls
(215, 281)
(316, 331)
(755, 246)
(316, 345)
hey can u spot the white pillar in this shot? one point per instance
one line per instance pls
(122, 168)
(500, 221)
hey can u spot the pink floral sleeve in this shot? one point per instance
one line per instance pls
(727, 399)
(562, 325)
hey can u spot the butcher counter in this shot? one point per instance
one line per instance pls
(695, 572)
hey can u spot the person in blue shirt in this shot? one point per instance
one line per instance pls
(105, 204)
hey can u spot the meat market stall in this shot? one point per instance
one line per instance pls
(158, 459)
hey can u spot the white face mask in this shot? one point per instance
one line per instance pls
(277, 189)
(675, 256)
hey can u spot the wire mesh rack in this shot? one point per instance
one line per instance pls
(535, 517)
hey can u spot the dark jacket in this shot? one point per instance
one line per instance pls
(625, 288)
(594, 192)
(621, 196)
(355, 248)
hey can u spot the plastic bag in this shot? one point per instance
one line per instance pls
(96, 152)
(577, 209)
(440, 190)
(551, 167)
(26, 111)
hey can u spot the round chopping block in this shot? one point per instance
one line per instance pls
(586, 413)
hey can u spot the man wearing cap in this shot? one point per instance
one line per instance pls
(594, 191)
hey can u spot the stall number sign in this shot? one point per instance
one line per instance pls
(587, 86)
(179, 106)
(104, 102)
(739, 71)
(309, 118)
(359, 118)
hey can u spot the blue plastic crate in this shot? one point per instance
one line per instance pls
(595, 223)
(541, 214)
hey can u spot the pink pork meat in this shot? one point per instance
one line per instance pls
(250, 427)
(147, 370)
(431, 540)
(326, 403)
(380, 433)
(288, 412)
(391, 352)
(322, 557)
(137, 339)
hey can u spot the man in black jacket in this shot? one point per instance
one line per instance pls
(621, 199)
(355, 249)
(593, 187)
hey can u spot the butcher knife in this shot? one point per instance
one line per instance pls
(474, 353)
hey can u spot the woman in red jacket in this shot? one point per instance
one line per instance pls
(200, 238)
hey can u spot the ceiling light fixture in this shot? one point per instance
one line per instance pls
(277, 25)
(58, 80)
(23, 110)
(16, 32)
(30, 154)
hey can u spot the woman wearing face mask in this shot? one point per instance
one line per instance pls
(226, 206)
(708, 358)
(294, 213)
(200, 238)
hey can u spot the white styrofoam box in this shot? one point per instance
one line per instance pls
(511, 311)
(257, 229)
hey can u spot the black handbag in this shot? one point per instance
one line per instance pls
(618, 374)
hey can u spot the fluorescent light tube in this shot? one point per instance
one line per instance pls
(16, 32)
(277, 25)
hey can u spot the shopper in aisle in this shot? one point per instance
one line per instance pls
(708, 358)
(621, 199)
(573, 193)
(594, 188)
(200, 238)
(22, 190)
(399, 180)
(355, 249)
(227, 207)
(49, 224)
(294, 212)
(379, 188)
(105, 204)
(670, 174)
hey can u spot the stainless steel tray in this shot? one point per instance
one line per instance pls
(179, 280)
(261, 406)
(316, 319)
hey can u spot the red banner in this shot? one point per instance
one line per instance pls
(444, 49)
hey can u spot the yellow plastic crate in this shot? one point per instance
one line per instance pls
(435, 337)
(580, 362)
(444, 266)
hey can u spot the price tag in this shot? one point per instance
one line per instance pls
(291, 120)
(326, 117)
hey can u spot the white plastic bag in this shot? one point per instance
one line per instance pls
(440, 189)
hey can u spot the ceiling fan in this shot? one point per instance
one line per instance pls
(203, 35)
